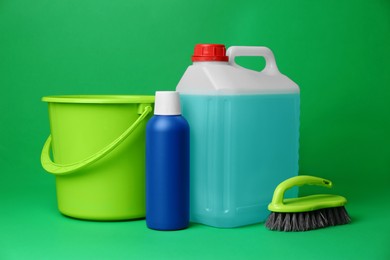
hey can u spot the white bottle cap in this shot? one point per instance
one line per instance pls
(167, 103)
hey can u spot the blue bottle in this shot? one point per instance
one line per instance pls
(167, 165)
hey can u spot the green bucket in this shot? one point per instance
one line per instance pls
(98, 147)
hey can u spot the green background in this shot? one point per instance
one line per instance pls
(337, 51)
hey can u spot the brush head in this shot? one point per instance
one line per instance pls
(304, 221)
(306, 213)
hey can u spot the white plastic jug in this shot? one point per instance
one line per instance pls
(244, 134)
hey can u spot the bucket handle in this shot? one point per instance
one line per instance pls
(270, 64)
(64, 169)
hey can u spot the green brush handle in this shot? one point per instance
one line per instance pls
(297, 181)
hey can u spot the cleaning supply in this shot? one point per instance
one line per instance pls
(167, 165)
(244, 134)
(98, 145)
(306, 213)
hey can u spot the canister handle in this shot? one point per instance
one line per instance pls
(270, 64)
(64, 169)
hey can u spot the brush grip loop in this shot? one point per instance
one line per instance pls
(297, 181)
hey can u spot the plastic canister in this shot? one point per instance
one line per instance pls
(244, 134)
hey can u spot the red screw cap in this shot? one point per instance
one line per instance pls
(210, 52)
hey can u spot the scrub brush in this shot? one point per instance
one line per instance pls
(306, 213)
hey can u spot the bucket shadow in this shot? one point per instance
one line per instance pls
(103, 221)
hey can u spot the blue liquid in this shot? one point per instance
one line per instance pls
(242, 147)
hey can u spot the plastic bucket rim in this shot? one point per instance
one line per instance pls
(99, 99)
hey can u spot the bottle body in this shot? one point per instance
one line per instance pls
(244, 134)
(242, 147)
(167, 172)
